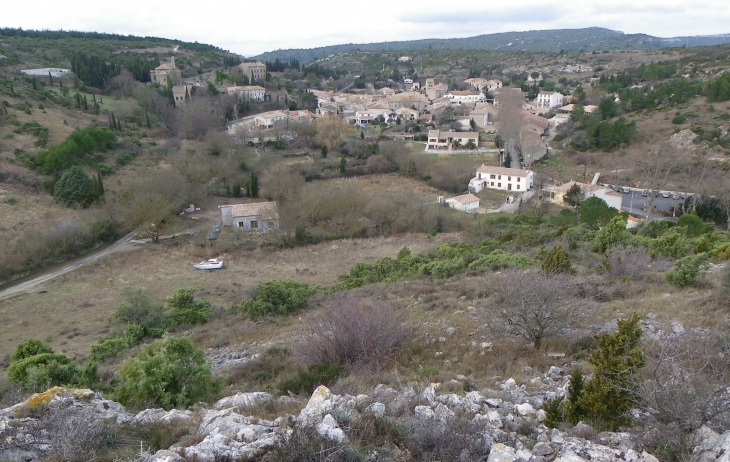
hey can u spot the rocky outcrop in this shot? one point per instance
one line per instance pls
(507, 424)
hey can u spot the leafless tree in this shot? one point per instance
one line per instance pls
(196, 118)
(536, 305)
(355, 331)
(623, 261)
(281, 183)
(511, 117)
(331, 131)
(685, 384)
(656, 168)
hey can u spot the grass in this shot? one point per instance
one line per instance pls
(72, 310)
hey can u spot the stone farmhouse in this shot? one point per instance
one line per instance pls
(464, 203)
(254, 71)
(261, 216)
(502, 178)
(250, 92)
(161, 73)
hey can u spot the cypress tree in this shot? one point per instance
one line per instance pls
(86, 105)
(50, 77)
(100, 184)
(35, 83)
(119, 124)
(147, 116)
(254, 185)
(114, 122)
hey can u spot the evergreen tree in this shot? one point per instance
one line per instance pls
(343, 165)
(253, 185)
(50, 77)
(557, 261)
(75, 188)
(507, 160)
(147, 116)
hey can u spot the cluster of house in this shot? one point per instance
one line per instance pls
(182, 90)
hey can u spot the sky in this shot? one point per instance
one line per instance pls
(252, 27)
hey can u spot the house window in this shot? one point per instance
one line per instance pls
(499, 177)
(499, 185)
(491, 177)
(240, 224)
(509, 178)
(270, 224)
(254, 224)
(518, 179)
(492, 183)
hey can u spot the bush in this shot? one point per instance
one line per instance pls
(557, 260)
(142, 310)
(187, 310)
(35, 366)
(315, 375)
(686, 270)
(167, 373)
(355, 331)
(276, 298)
(626, 261)
(611, 234)
(75, 188)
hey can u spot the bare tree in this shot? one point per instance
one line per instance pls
(656, 168)
(355, 330)
(197, 118)
(685, 384)
(536, 305)
(331, 131)
(511, 118)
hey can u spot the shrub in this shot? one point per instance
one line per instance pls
(187, 310)
(612, 391)
(315, 375)
(278, 298)
(622, 261)
(43, 371)
(501, 259)
(686, 270)
(672, 244)
(611, 234)
(694, 224)
(167, 373)
(73, 435)
(557, 260)
(142, 310)
(75, 188)
(355, 331)
(35, 366)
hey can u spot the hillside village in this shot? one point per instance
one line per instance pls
(495, 256)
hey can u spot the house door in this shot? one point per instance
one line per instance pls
(509, 186)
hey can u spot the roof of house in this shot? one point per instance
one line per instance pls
(266, 210)
(634, 219)
(464, 93)
(270, 114)
(503, 170)
(165, 67)
(465, 198)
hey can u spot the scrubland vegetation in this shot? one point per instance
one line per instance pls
(368, 281)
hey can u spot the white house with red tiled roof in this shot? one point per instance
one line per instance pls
(448, 140)
(556, 193)
(502, 178)
(261, 216)
(465, 203)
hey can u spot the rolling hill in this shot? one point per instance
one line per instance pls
(568, 40)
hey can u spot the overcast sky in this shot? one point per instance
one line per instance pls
(253, 27)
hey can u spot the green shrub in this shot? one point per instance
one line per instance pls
(694, 224)
(679, 119)
(557, 260)
(142, 310)
(75, 188)
(315, 375)
(673, 244)
(30, 347)
(611, 234)
(554, 412)
(501, 259)
(167, 373)
(611, 393)
(187, 310)
(278, 298)
(686, 270)
(43, 370)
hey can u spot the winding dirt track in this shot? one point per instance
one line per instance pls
(47, 276)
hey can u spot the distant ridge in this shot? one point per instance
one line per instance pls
(568, 40)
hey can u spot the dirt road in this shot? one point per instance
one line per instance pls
(25, 286)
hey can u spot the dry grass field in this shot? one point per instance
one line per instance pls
(71, 312)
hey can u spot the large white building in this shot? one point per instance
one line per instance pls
(549, 99)
(502, 178)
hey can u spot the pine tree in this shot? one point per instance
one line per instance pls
(253, 185)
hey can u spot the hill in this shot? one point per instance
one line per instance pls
(568, 40)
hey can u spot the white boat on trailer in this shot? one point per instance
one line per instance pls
(209, 265)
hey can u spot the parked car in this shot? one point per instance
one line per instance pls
(682, 196)
(666, 194)
(626, 190)
(656, 193)
(675, 196)
(645, 193)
